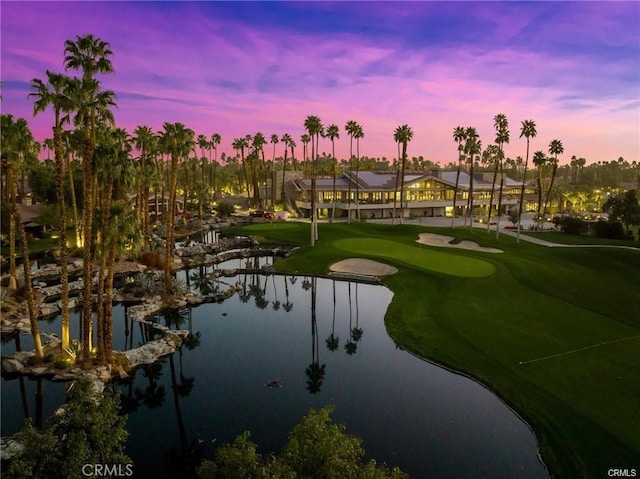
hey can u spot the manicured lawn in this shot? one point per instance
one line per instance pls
(562, 238)
(555, 332)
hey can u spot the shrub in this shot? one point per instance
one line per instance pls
(609, 229)
(150, 259)
(225, 208)
(573, 226)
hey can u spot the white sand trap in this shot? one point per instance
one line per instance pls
(442, 241)
(362, 266)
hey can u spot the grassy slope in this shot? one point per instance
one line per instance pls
(539, 302)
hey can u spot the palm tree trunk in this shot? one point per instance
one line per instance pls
(31, 304)
(500, 201)
(170, 222)
(64, 252)
(455, 194)
(404, 160)
(521, 205)
(87, 254)
(284, 169)
(395, 191)
(493, 187)
(12, 230)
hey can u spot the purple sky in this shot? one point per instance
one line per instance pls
(236, 68)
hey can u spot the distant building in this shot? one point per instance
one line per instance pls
(425, 194)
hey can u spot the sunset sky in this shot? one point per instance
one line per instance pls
(236, 68)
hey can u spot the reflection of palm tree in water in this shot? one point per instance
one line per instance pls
(154, 395)
(350, 347)
(288, 306)
(332, 341)
(188, 455)
(356, 333)
(276, 303)
(315, 372)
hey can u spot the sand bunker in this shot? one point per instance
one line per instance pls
(442, 241)
(363, 266)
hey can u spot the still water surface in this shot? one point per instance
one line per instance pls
(409, 412)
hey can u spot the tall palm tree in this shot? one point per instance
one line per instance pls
(333, 132)
(358, 134)
(146, 142)
(472, 147)
(240, 144)
(215, 141)
(502, 136)
(540, 162)
(92, 56)
(403, 135)
(458, 137)
(528, 130)
(555, 148)
(56, 93)
(350, 127)
(274, 141)
(314, 127)
(17, 142)
(178, 142)
(258, 172)
(490, 159)
(286, 140)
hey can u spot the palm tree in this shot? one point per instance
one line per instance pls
(286, 140)
(472, 147)
(258, 147)
(17, 142)
(56, 93)
(555, 148)
(240, 144)
(333, 341)
(502, 136)
(333, 132)
(490, 158)
(358, 134)
(458, 137)
(146, 143)
(403, 134)
(540, 162)
(528, 130)
(350, 128)
(274, 141)
(91, 55)
(314, 126)
(215, 141)
(178, 142)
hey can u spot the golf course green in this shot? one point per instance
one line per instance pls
(555, 332)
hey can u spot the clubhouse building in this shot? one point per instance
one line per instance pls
(426, 194)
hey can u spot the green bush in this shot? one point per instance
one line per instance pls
(609, 229)
(573, 226)
(225, 208)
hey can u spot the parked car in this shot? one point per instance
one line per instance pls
(268, 215)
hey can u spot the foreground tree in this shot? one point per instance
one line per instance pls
(91, 55)
(89, 431)
(58, 92)
(528, 130)
(316, 449)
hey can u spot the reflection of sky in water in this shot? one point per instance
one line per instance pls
(430, 422)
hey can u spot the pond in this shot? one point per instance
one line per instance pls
(324, 342)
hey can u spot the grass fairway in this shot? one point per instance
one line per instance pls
(555, 332)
